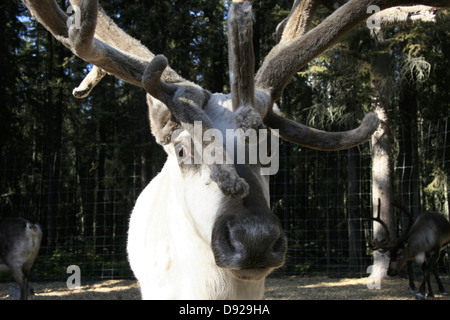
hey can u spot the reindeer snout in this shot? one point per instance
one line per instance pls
(251, 246)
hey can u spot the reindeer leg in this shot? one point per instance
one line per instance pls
(24, 289)
(439, 282)
(442, 290)
(412, 287)
(26, 276)
(431, 267)
(430, 295)
(420, 295)
(17, 274)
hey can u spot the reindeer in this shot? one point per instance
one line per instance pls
(19, 245)
(422, 242)
(204, 229)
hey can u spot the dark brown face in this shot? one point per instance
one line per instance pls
(247, 237)
(392, 269)
(397, 260)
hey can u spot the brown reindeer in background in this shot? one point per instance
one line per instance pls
(20, 241)
(422, 242)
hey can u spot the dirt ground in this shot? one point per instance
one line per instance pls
(290, 288)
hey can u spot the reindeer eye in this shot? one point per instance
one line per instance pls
(182, 152)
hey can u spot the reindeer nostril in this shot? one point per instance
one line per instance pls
(232, 239)
(237, 245)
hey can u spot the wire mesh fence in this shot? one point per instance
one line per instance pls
(84, 221)
(317, 195)
(316, 212)
(321, 196)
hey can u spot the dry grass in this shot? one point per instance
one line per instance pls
(290, 288)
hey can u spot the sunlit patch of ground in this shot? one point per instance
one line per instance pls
(288, 288)
(324, 288)
(102, 290)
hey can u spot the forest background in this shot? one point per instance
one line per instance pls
(77, 166)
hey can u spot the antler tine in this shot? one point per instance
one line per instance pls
(322, 140)
(242, 65)
(241, 54)
(89, 82)
(375, 244)
(384, 244)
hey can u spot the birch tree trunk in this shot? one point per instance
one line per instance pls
(381, 189)
(382, 168)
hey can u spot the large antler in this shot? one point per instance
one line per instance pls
(99, 41)
(297, 47)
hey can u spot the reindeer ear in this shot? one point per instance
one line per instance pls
(162, 122)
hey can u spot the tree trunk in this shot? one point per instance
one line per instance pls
(381, 189)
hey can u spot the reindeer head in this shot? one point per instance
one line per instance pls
(396, 248)
(227, 201)
(397, 259)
